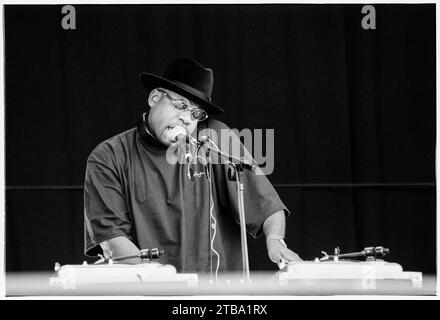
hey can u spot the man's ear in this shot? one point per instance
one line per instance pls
(154, 97)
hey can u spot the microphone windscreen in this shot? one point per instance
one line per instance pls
(176, 132)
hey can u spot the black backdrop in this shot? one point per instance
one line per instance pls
(353, 112)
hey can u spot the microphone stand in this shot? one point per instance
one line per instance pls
(237, 175)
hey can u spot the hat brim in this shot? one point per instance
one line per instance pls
(152, 81)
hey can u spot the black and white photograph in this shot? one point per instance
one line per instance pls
(219, 150)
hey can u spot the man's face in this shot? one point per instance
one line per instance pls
(164, 116)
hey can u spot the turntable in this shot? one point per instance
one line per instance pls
(366, 266)
(109, 271)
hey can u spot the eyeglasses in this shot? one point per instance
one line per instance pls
(179, 104)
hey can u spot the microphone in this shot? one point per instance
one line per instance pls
(178, 133)
(175, 133)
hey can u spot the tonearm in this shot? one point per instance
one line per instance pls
(370, 253)
(144, 254)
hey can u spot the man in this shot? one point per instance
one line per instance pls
(135, 198)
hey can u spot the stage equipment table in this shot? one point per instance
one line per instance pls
(262, 284)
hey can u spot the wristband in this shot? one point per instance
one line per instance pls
(276, 237)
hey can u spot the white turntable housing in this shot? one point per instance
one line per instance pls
(72, 276)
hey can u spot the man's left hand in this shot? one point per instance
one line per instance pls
(278, 252)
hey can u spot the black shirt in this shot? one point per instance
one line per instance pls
(131, 190)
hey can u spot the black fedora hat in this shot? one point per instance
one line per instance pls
(188, 78)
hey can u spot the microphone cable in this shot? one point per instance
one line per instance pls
(212, 221)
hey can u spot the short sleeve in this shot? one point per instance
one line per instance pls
(260, 198)
(105, 212)
(261, 201)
